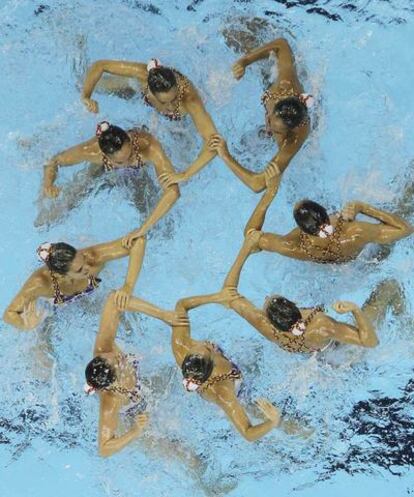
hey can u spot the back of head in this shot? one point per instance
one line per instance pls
(282, 313)
(110, 137)
(292, 111)
(60, 257)
(310, 216)
(197, 367)
(99, 373)
(161, 79)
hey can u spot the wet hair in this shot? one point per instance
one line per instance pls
(197, 367)
(99, 373)
(161, 79)
(111, 140)
(282, 313)
(61, 257)
(310, 216)
(292, 111)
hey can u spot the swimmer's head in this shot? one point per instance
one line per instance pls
(162, 82)
(281, 312)
(311, 217)
(113, 142)
(58, 257)
(197, 367)
(288, 114)
(99, 374)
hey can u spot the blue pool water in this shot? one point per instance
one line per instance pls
(356, 58)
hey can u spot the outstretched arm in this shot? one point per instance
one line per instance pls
(250, 243)
(237, 415)
(84, 152)
(362, 334)
(255, 181)
(257, 219)
(109, 443)
(118, 67)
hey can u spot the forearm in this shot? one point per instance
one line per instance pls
(168, 199)
(93, 76)
(254, 433)
(257, 219)
(192, 302)
(384, 217)
(15, 319)
(263, 52)
(233, 276)
(255, 181)
(202, 160)
(50, 174)
(115, 444)
(136, 256)
(365, 329)
(139, 305)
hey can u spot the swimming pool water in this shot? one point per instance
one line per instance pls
(356, 58)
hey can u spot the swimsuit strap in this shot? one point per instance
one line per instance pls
(58, 298)
(282, 94)
(296, 343)
(332, 253)
(234, 374)
(133, 395)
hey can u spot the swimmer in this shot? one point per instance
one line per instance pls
(114, 375)
(307, 330)
(324, 238)
(206, 369)
(287, 116)
(67, 274)
(113, 149)
(167, 91)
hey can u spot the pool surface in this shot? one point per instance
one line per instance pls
(356, 59)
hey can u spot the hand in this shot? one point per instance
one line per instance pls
(140, 421)
(350, 211)
(342, 307)
(31, 316)
(228, 294)
(91, 105)
(128, 240)
(122, 298)
(269, 411)
(179, 319)
(169, 179)
(239, 69)
(272, 175)
(51, 191)
(252, 238)
(217, 144)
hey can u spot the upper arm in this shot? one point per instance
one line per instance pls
(202, 119)
(108, 251)
(31, 291)
(86, 151)
(383, 233)
(159, 158)
(230, 404)
(123, 68)
(108, 420)
(286, 62)
(253, 315)
(342, 332)
(286, 154)
(105, 339)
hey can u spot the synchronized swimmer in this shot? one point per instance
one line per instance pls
(69, 273)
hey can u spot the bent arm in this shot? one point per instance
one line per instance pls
(139, 305)
(362, 334)
(393, 227)
(205, 127)
(233, 277)
(184, 305)
(284, 53)
(14, 314)
(237, 415)
(117, 67)
(254, 181)
(84, 152)
(109, 444)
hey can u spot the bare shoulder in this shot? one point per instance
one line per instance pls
(145, 138)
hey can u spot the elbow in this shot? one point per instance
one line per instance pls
(174, 192)
(248, 435)
(103, 451)
(180, 306)
(371, 343)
